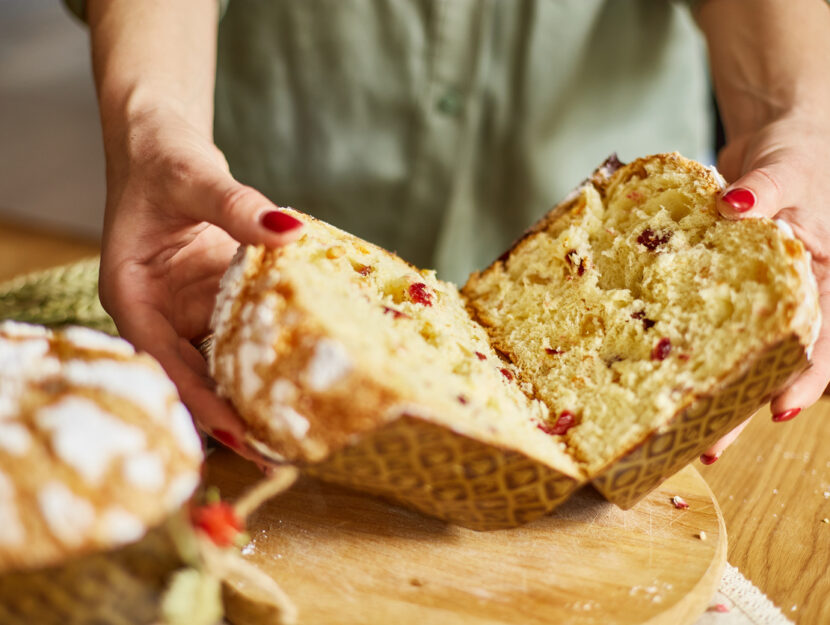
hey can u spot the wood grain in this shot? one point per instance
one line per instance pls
(348, 558)
(773, 485)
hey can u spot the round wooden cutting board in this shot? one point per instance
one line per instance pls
(347, 558)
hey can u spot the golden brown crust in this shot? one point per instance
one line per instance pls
(323, 421)
(96, 447)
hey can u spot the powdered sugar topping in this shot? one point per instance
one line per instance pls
(329, 364)
(87, 438)
(85, 338)
(144, 470)
(14, 438)
(147, 387)
(68, 516)
(120, 527)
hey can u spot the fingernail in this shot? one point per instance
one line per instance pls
(740, 199)
(277, 221)
(707, 459)
(792, 413)
(226, 438)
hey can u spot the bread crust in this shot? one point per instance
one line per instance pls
(96, 447)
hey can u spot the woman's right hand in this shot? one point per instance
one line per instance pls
(174, 218)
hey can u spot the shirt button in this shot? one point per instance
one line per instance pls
(450, 102)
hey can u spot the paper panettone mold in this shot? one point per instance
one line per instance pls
(345, 360)
(700, 425)
(447, 475)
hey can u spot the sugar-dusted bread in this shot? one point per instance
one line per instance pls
(98, 463)
(338, 353)
(371, 373)
(95, 446)
(639, 310)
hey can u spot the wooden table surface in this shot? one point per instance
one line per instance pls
(773, 484)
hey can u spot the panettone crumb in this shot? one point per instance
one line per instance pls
(672, 299)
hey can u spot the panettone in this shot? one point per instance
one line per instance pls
(610, 336)
(98, 462)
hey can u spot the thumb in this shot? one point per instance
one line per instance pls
(241, 211)
(761, 192)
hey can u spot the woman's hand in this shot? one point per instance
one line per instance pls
(778, 172)
(174, 219)
(174, 214)
(769, 63)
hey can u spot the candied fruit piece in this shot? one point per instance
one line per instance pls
(652, 240)
(397, 314)
(420, 294)
(564, 422)
(647, 323)
(662, 349)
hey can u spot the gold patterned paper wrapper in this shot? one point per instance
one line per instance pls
(448, 475)
(701, 424)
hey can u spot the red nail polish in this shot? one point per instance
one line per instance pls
(707, 459)
(740, 199)
(792, 413)
(226, 438)
(277, 221)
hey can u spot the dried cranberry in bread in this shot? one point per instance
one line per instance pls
(343, 358)
(658, 324)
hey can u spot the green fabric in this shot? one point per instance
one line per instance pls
(441, 129)
(66, 295)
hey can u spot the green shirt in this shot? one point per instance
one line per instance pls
(443, 128)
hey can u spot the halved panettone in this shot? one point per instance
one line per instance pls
(629, 304)
(639, 310)
(339, 354)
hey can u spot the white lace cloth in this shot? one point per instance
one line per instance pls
(745, 603)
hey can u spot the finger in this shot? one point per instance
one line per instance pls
(763, 191)
(241, 211)
(811, 384)
(715, 451)
(149, 331)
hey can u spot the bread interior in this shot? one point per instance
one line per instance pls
(412, 332)
(632, 300)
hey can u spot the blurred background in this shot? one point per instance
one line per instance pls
(51, 157)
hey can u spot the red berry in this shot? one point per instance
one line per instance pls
(652, 240)
(507, 373)
(420, 294)
(397, 314)
(564, 422)
(481, 356)
(661, 350)
(218, 521)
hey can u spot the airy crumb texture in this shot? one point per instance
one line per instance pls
(331, 337)
(95, 446)
(635, 296)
